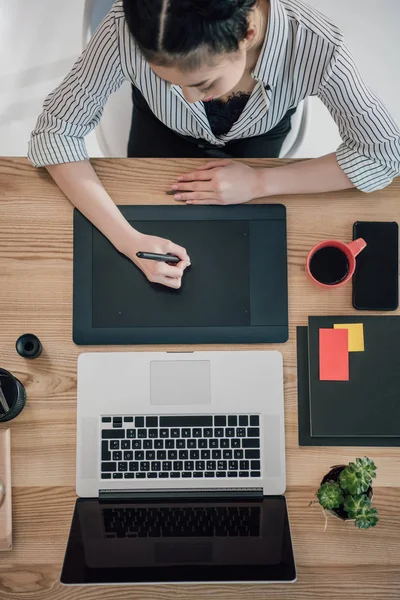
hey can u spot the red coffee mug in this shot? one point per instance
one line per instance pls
(350, 250)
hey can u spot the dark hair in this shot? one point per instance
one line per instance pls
(187, 31)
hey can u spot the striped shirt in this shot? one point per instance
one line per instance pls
(303, 55)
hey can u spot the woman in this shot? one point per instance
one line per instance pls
(214, 79)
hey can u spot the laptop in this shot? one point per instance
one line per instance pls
(180, 470)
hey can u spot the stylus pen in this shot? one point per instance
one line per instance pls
(171, 258)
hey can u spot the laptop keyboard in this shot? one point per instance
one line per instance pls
(180, 446)
(220, 521)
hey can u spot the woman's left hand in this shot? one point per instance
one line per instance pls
(219, 182)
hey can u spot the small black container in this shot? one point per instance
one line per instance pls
(28, 346)
(14, 393)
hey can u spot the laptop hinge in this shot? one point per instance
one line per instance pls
(157, 495)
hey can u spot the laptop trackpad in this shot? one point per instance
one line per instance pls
(183, 553)
(180, 382)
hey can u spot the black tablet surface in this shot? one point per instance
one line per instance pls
(234, 292)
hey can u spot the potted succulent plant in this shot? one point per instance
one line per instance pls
(346, 493)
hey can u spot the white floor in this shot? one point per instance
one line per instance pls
(40, 40)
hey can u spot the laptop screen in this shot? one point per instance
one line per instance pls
(169, 542)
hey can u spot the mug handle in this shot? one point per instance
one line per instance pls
(357, 246)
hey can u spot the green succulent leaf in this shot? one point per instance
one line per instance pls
(354, 479)
(367, 465)
(355, 505)
(330, 495)
(367, 518)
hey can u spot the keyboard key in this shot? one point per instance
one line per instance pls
(235, 443)
(219, 420)
(233, 465)
(186, 421)
(144, 465)
(181, 443)
(142, 433)
(178, 465)
(232, 474)
(114, 445)
(153, 433)
(253, 432)
(139, 421)
(117, 420)
(232, 420)
(200, 465)
(131, 433)
(140, 475)
(243, 420)
(163, 475)
(198, 474)
(255, 465)
(167, 465)
(164, 433)
(109, 434)
(139, 455)
(244, 465)
(229, 432)
(129, 475)
(172, 454)
(251, 443)
(175, 433)
(205, 454)
(117, 475)
(194, 454)
(117, 455)
(224, 443)
(240, 432)
(239, 453)
(151, 475)
(161, 455)
(134, 466)
(213, 443)
(209, 474)
(254, 420)
(211, 465)
(221, 465)
(158, 444)
(128, 419)
(125, 445)
(106, 419)
(255, 474)
(147, 444)
(105, 453)
(219, 432)
(207, 432)
(117, 424)
(186, 433)
(150, 455)
(196, 432)
(128, 455)
(170, 444)
(122, 466)
(136, 444)
(151, 421)
(183, 454)
(202, 443)
(192, 443)
(252, 453)
(216, 454)
(106, 475)
(186, 474)
(227, 454)
(244, 473)
(174, 474)
(189, 465)
(220, 474)
(156, 465)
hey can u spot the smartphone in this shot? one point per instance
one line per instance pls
(376, 278)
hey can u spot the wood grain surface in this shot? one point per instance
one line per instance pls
(36, 297)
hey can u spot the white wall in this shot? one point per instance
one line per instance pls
(40, 39)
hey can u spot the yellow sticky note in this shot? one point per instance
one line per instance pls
(356, 335)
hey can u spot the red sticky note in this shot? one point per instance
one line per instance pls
(334, 354)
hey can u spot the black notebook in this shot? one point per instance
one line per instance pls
(367, 405)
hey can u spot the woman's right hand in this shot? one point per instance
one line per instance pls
(156, 271)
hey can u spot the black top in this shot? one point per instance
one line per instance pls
(222, 115)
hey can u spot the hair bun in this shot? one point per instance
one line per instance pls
(209, 10)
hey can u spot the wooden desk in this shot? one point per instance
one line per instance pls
(36, 296)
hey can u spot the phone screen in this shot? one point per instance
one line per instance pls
(376, 278)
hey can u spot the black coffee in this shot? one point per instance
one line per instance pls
(329, 265)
